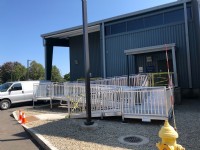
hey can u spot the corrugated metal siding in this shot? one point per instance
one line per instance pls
(116, 44)
(76, 53)
(95, 54)
(115, 58)
(195, 55)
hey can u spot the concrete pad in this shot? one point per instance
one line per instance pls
(31, 118)
(51, 116)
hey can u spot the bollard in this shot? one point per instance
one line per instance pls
(168, 136)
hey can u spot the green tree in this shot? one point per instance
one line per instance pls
(36, 71)
(55, 75)
(19, 72)
(6, 71)
(12, 71)
(67, 77)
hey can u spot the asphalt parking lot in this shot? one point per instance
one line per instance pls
(12, 134)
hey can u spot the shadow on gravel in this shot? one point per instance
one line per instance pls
(110, 129)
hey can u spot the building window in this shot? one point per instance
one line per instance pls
(154, 20)
(118, 28)
(150, 21)
(135, 24)
(174, 16)
(107, 30)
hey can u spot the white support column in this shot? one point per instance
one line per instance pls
(174, 66)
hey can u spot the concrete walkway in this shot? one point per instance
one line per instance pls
(13, 135)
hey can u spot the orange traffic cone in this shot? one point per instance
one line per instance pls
(23, 118)
(20, 115)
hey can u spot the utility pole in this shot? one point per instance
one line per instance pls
(87, 63)
(28, 68)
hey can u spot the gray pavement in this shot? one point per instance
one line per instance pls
(13, 135)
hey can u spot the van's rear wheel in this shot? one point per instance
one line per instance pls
(5, 104)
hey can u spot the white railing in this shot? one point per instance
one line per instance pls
(103, 97)
(58, 91)
(42, 91)
(109, 100)
(134, 80)
(146, 102)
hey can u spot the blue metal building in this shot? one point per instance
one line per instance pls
(139, 38)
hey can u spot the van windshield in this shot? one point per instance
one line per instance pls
(4, 87)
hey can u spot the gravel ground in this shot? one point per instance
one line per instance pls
(66, 134)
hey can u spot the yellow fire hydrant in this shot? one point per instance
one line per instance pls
(168, 136)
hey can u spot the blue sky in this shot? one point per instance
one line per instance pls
(23, 22)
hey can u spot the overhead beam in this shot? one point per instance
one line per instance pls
(57, 42)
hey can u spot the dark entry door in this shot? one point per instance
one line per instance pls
(162, 66)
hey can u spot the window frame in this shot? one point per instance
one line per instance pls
(18, 88)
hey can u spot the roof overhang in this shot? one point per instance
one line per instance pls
(65, 34)
(149, 49)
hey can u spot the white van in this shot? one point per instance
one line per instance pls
(16, 92)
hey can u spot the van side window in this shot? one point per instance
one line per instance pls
(17, 87)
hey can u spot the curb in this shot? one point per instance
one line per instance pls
(45, 144)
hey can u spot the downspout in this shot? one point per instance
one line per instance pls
(127, 67)
(187, 45)
(103, 49)
(174, 66)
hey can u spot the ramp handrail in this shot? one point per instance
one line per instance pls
(123, 100)
(134, 80)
